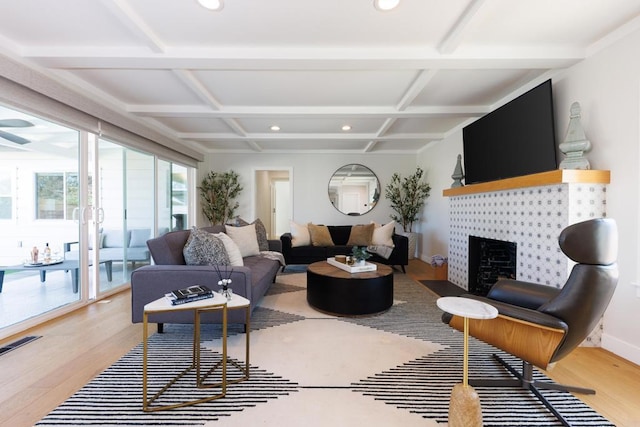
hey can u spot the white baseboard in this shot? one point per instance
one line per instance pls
(621, 348)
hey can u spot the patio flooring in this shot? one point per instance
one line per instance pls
(23, 296)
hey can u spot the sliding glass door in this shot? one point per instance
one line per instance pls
(87, 205)
(126, 212)
(39, 209)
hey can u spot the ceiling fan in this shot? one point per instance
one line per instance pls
(14, 123)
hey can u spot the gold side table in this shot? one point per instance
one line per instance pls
(236, 302)
(163, 305)
(464, 407)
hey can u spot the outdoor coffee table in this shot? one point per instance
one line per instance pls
(335, 291)
(72, 265)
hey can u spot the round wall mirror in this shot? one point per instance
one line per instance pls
(354, 189)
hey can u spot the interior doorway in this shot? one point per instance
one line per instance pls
(273, 200)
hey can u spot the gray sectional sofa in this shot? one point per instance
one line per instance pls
(170, 272)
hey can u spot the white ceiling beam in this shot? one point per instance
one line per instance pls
(307, 136)
(198, 88)
(122, 11)
(199, 111)
(386, 126)
(307, 59)
(417, 86)
(370, 146)
(452, 40)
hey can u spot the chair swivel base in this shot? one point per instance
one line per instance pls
(525, 380)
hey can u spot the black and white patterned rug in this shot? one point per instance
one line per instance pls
(311, 369)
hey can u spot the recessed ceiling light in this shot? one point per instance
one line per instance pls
(385, 5)
(275, 128)
(212, 4)
(346, 128)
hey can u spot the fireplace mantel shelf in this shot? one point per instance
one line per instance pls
(559, 176)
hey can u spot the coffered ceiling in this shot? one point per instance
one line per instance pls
(217, 81)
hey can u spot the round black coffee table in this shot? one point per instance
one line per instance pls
(335, 291)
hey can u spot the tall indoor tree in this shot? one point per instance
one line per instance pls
(218, 191)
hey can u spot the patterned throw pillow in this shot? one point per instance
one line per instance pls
(261, 232)
(203, 248)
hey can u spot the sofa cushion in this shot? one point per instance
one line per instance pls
(235, 257)
(139, 237)
(203, 248)
(383, 234)
(246, 239)
(299, 235)
(261, 232)
(114, 239)
(360, 235)
(320, 235)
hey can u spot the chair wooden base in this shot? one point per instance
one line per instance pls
(525, 380)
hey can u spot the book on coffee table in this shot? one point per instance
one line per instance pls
(352, 268)
(190, 294)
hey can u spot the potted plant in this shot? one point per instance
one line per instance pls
(407, 196)
(217, 194)
(360, 254)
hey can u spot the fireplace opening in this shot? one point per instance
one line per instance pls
(490, 260)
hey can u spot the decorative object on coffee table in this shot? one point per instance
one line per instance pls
(575, 143)
(407, 196)
(360, 254)
(464, 407)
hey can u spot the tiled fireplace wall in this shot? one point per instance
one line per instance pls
(532, 217)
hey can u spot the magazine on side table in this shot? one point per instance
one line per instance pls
(189, 294)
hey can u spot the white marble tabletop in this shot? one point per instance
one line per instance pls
(467, 307)
(164, 303)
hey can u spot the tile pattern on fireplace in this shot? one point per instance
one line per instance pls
(532, 217)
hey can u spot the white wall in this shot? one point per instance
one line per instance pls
(311, 175)
(607, 86)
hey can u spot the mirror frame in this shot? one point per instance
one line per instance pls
(355, 175)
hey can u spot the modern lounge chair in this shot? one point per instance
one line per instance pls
(541, 324)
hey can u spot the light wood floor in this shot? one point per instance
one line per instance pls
(36, 378)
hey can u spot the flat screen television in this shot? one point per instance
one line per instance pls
(516, 139)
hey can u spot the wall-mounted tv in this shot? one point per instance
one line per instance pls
(514, 140)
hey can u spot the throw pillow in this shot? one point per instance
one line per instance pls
(299, 235)
(203, 248)
(261, 232)
(246, 239)
(235, 257)
(320, 235)
(360, 235)
(382, 234)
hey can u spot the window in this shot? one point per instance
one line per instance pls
(6, 199)
(57, 195)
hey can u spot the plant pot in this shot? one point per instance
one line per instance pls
(413, 242)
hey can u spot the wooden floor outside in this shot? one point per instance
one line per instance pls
(36, 378)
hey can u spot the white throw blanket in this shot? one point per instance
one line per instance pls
(274, 255)
(381, 250)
